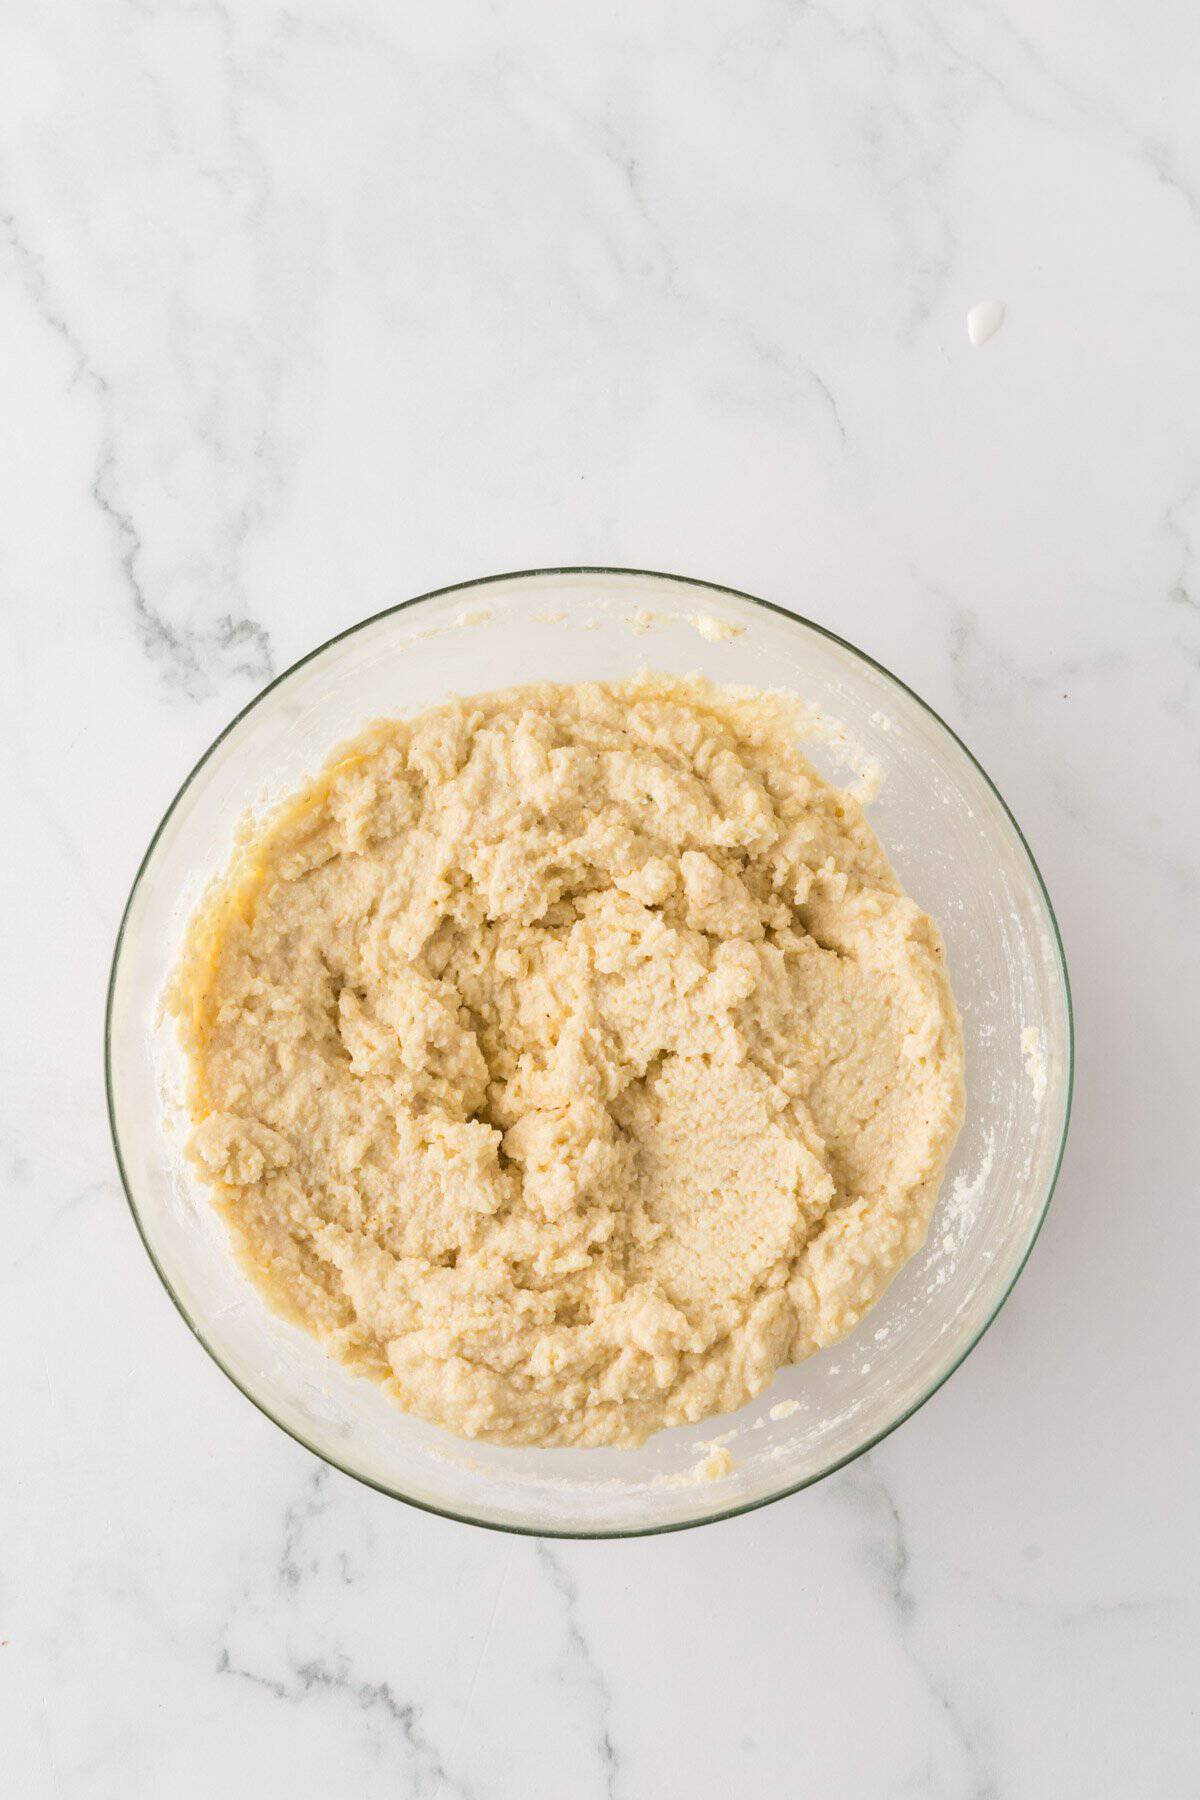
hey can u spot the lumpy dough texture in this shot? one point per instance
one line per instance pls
(569, 1058)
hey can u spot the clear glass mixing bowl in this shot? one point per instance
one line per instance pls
(955, 846)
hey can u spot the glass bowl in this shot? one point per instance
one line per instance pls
(954, 845)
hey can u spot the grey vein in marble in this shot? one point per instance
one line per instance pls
(1154, 153)
(658, 262)
(296, 1520)
(891, 1557)
(194, 659)
(1184, 590)
(583, 1657)
(241, 646)
(333, 1674)
(336, 1676)
(1093, 1614)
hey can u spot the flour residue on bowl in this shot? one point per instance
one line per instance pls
(709, 626)
(716, 631)
(717, 1463)
(961, 1201)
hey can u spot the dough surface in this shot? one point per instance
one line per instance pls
(569, 1058)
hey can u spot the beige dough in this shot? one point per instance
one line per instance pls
(569, 1059)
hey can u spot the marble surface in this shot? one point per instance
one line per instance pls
(306, 308)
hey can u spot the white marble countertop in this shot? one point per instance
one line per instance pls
(306, 308)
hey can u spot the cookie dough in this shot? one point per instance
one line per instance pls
(569, 1059)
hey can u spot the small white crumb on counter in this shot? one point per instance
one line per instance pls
(716, 631)
(984, 321)
(642, 621)
(783, 1409)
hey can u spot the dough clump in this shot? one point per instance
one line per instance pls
(569, 1059)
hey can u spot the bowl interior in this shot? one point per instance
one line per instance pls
(954, 846)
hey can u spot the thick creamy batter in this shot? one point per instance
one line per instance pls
(569, 1058)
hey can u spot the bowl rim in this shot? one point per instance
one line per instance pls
(622, 1531)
